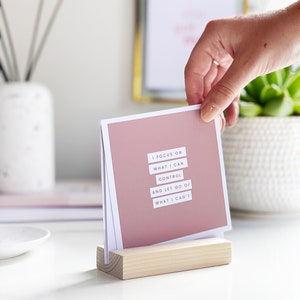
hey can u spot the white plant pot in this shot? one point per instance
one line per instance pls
(262, 163)
(27, 161)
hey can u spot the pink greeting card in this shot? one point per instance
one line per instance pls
(163, 178)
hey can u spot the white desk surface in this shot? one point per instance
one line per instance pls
(265, 265)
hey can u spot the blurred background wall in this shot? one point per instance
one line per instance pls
(87, 65)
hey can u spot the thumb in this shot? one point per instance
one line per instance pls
(224, 92)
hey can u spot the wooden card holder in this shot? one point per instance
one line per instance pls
(165, 258)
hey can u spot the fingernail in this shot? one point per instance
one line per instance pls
(209, 112)
(230, 125)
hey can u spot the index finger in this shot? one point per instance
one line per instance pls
(226, 90)
(197, 67)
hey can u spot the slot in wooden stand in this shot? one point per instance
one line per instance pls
(165, 258)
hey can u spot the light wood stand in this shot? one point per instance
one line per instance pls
(165, 258)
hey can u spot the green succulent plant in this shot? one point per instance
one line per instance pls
(276, 94)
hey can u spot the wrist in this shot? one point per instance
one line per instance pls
(291, 24)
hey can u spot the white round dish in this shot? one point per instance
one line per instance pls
(16, 240)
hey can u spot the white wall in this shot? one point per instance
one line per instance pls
(87, 65)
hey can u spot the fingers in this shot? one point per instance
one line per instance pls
(232, 112)
(222, 122)
(224, 92)
(199, 79)
(200, 72)
(195, 77)
(209, 79)
(207, 64)
(194, 88)
(215, 72)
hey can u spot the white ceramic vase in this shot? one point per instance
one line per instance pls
(27, 161)
(262, 163)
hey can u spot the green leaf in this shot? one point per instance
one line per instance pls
(297, 106)
(279, 107)
(275, 78)
(249, 109)
(255, 87)
(285, 73)
(293, 85)
(246, 97)
(250, 90)
(270, 92)
(273, 94)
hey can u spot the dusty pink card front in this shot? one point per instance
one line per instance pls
(168, 177)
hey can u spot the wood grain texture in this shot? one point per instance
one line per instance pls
(165, 258)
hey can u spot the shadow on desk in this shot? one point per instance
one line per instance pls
(95, 284)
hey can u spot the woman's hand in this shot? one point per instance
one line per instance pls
(231, 52)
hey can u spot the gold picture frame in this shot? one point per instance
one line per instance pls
(259, 6)
(140, 91)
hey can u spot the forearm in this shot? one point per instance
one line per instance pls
(275, 40)
(291, 34)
